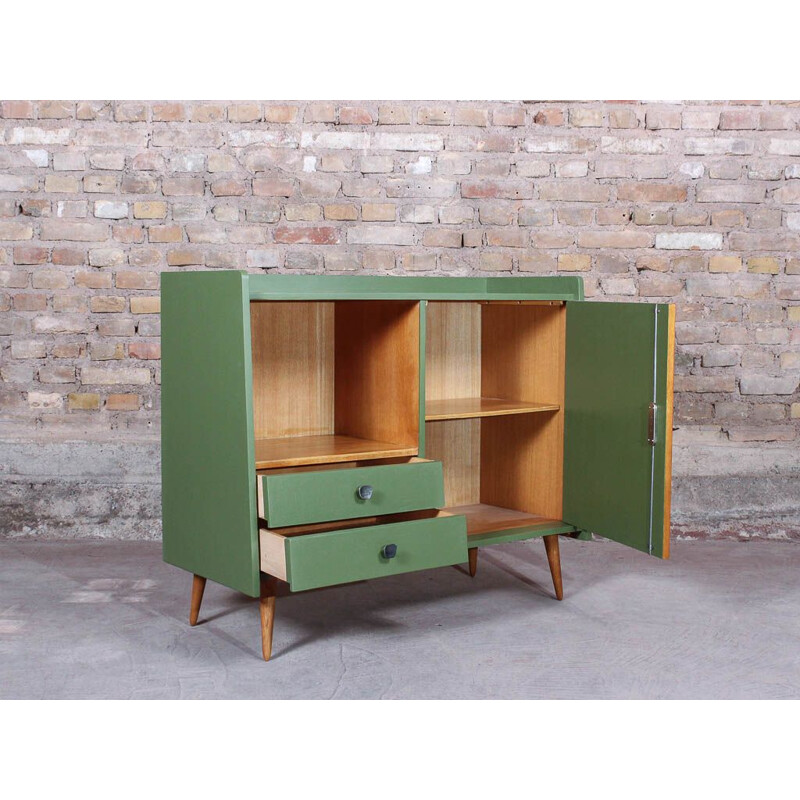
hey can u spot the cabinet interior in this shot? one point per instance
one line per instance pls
(334, 381)
(338, 383)
(494, 388)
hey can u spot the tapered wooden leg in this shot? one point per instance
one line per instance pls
(554, 559)
(267, 605)
(472, 552)
(198, 587)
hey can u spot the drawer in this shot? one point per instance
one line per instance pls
(311, 560)
(295, 497)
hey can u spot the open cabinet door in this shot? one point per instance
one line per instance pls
(618, 422)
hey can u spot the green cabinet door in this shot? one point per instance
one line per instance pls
(618, 422)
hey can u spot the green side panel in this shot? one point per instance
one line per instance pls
(423, 333)
(296, 498)
(613, 354)
(344, 287)
(208, 476)
(326, 559)
(518, 534)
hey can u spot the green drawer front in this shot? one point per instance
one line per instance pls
(297, 498)
(325, 559)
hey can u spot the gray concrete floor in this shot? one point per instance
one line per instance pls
(109, 620)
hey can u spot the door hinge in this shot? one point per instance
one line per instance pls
(651, 424)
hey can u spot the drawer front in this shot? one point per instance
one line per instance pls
(325, 559)
(297, 498)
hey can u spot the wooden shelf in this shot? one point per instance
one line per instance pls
(299, 450)
(483, 518)
(469, 407)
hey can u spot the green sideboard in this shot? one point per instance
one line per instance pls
(319, 430)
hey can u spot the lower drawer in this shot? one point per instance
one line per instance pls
(310, 560)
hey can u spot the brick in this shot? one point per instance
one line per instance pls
(38, 136)
(148, 162)
(656, 284)
(380, 235)
(574, 192)
(19, 183)
(662, 118)
(574, 262)
(244, 112)
(731, 194)
(476, 117)
(83, 401)
(764, 265)
(537, 262)
(434, 115)
(69, 160)
(188, 162)
(718, 384)
(442, 237)
(506, 237)
(631, 146)
(418, 214)
(618, 287)
(30, 302)
(417, 187)
(623, 239)
(651, 216)
(128, 234)
(341, 211)
(729, 218)
(228, 188)
(116, 326)
(108, 376)
(456, 215)
(145, 305)
(144, 350)
(273, 187)
(407, 141)
(93, 279)
(552, 239)
(150, 210)
(130, 112)
(28, 349)
(17, 109)
(44, 400)
(56, 375)
(64, 184)
(768, 385)
(784, 147)
(511, 189)
(106, 257)
(378, 212)
(183, 187)
(724, 264)
(56, 230)
(572, 169)
(49, 279)
(551, 117)
(689, 241)
(509, 116)
(305, 212)
(110, 209)
(320, 112)
(280, 114)
(472, 238)
(208, 112)
(307, 235)
(354, 115)
(394, 115)
(31, 254)
(422, 166)
(560, 144)
(107, 304)
(262, 259)
(651, 193)
(737, 119)
(623, 118)
(453, 164)
(696, 120)
(586, 117)
(374, 164)
(30, 207)
(106, 184)
(773, 433)
(495, 262)
(122, 402)
(185, 257)
(169, 112)
(717, 146)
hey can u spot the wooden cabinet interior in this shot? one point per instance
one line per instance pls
(334, 381)
(502, 469)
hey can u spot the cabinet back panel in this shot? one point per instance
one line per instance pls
(457, 444)
(453, 350)
(293, 359)
(377, 370)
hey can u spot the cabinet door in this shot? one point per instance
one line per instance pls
(618, 422)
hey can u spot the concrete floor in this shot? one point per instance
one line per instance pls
(109, 620)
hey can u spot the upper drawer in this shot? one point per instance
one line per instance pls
(296, 498)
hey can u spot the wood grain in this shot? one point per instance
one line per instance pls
(267, 609)
(483, 518)
(523, 357)
(299, 450)
(456, 443)
(453, 350)
(293, 359)
(469, 407)
(554, 560)
(198, 587)
(668, 436)
(376, 355)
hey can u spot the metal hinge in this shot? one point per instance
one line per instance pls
(651, 424)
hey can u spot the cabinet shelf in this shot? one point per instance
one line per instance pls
(484, 518)
(471, 407)
(328, 449)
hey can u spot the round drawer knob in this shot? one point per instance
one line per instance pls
(364, 492)
(389, 551)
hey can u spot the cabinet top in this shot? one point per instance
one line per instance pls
(391, 287)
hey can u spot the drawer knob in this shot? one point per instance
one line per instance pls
(389, 551)
(364, 492)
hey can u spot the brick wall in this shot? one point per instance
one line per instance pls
(692, 203)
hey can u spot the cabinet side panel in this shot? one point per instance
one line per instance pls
(453, 351)
(523, 354)
(457, 444)
(662, 483)
(208, 476)
(292, 346)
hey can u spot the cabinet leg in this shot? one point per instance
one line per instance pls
(554, 559)
(267, 606)
(198, 587)
(472, 552)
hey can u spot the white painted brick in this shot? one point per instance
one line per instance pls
(562, 144)
(422, 166)
(44, 400)
(692, 169)
(309, 163)
(784, 147)
(335, 140)
(39, 158)
(39, 136)
(407, 141)
(69, 162)
(652, 145)
(110, 209)
(689, 241)
(380, 234)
